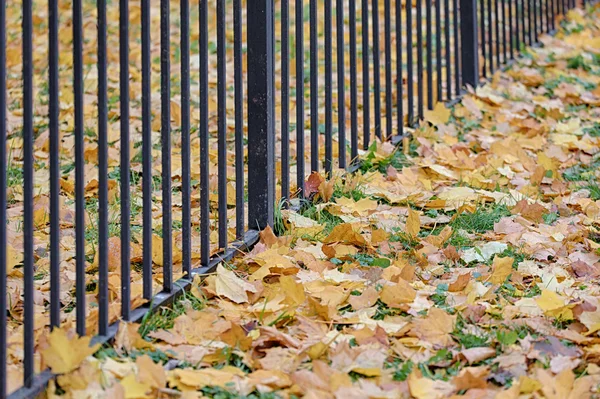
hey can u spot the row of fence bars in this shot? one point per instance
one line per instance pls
(455, 23)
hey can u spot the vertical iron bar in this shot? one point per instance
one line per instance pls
(261, 105)
(469, 45)
(447, 49)
(420, 57)
(353, 83)
(409, 65)
(341, 82)
(399, 68)
(497, 33)
(483, 50)
(124, 167)
(299, 14)
(530, 22)
(456, 24)
(521, 17)
(222, 123)
(103, 173)
(239, 119)
(147, 150)
(165, 136)
(203, 129)
(376, 69)
(490, 30)
(535, 21)
(429, 45)
(388, 69)
(511, 31)
(240, 227)
(28, 339)
(79, 165)
(438, 49)
(365, 72)
(186, 203)
(285, 102)
(504, 46)
(548, 16)
(3, 302)
(314, 88)
(54, 107)
(328, 96)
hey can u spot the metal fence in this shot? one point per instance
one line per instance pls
(213, 130)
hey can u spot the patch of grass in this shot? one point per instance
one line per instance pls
(593, 130)
(594, 190)
(401, 368)
(164, 318)
(383, 310)
(407, 241)
(551, 217)
(397, 159)
(321, 216)
(577, 62)
(356, 194)
(466, 339)
(480, 221)
(222, 393)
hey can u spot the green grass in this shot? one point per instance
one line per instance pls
(480, 221)
(594, 190)
(323, 217)
(164, 318)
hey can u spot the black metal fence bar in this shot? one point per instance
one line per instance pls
(3, 181)
(433, 63)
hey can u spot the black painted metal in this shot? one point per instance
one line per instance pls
(165, 142)
(261, 126)
(53, 107)
(341, 82)
(186, 203)
(28, 343)
(3, 302)
(299, 30)
(468, 24)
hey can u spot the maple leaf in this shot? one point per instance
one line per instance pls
(435, 328)
(60, 357)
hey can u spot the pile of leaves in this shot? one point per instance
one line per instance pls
(465, 264)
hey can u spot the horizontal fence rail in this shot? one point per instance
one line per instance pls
(147, 141)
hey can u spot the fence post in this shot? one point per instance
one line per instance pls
(469, 42)
(261, 121)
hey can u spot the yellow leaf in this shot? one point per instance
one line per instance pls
(231, 286)
(294, 292)
(345, 233)
(133, 388)
(317, 350)
(591, 320)
(501, 269)
(413, 223)
(60, 355)
(398, 294)
(150, 373)
(13, 258)
(425, 388)
(439, 115)
(528, 385)
(554, 305)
